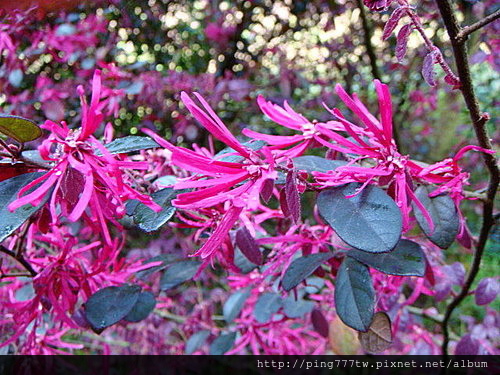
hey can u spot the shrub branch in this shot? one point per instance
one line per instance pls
(479, 120)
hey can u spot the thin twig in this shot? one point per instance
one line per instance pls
(464, 33)
(479, 120)
(368, 40)
(20, 259)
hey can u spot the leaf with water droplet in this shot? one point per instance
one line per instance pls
(9, 189)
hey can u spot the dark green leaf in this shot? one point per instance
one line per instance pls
(311, 163)
(301, 268)
(354, 295)
(109, 305)
(296, 308)
(443, 214)
(130, 143)
(222, 343)
(234, 305)
(267, 305)
(178, 273)
(19, 128)
(195, 341)
(142, 308)
(147, 219)
(406, 259)
(10, 221)
(370, 221)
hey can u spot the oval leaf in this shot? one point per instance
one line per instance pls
(143, 307)
(195, 341)
(301, 268)
(178, 273)
(296, 308)
(369, 221)
(10, 221)
(109, 305)
(354, 295)
(319, 322)
(130, 143)
(267, 305)
(444, 216)
(149, 220)
(379, 335)
(246, 243)
(311, 163)
(234, 305)
(292, 197)
(486, 291)
(222, 343)
(19, 128)
(406, 259)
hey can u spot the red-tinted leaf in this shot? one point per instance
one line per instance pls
(267, 190)
(248, 246)
(392, 22)
(8, 170)
(428, 69)
(319, 322)
(402, 41)
(292, 197)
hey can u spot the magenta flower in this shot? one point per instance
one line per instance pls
(236, 185)
(290, 119)
(80, 178)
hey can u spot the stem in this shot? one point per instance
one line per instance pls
(479, 123)
(464, 33)
(20, 259)
(368, 40)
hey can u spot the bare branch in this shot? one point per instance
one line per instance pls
(464, 33)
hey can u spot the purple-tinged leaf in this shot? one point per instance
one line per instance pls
(267, 190)
(292, 197)
(467, 346)
(143, 307)
(487, 291)
(246, 243)
(406, 259)
(319, 322)
(402, 41)
(444, 216)
(301, 268)
(368, 220)
(428, 69)
(393, 22)
(284, 203)
(109, 305)
(354, 295)
(454, 273)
